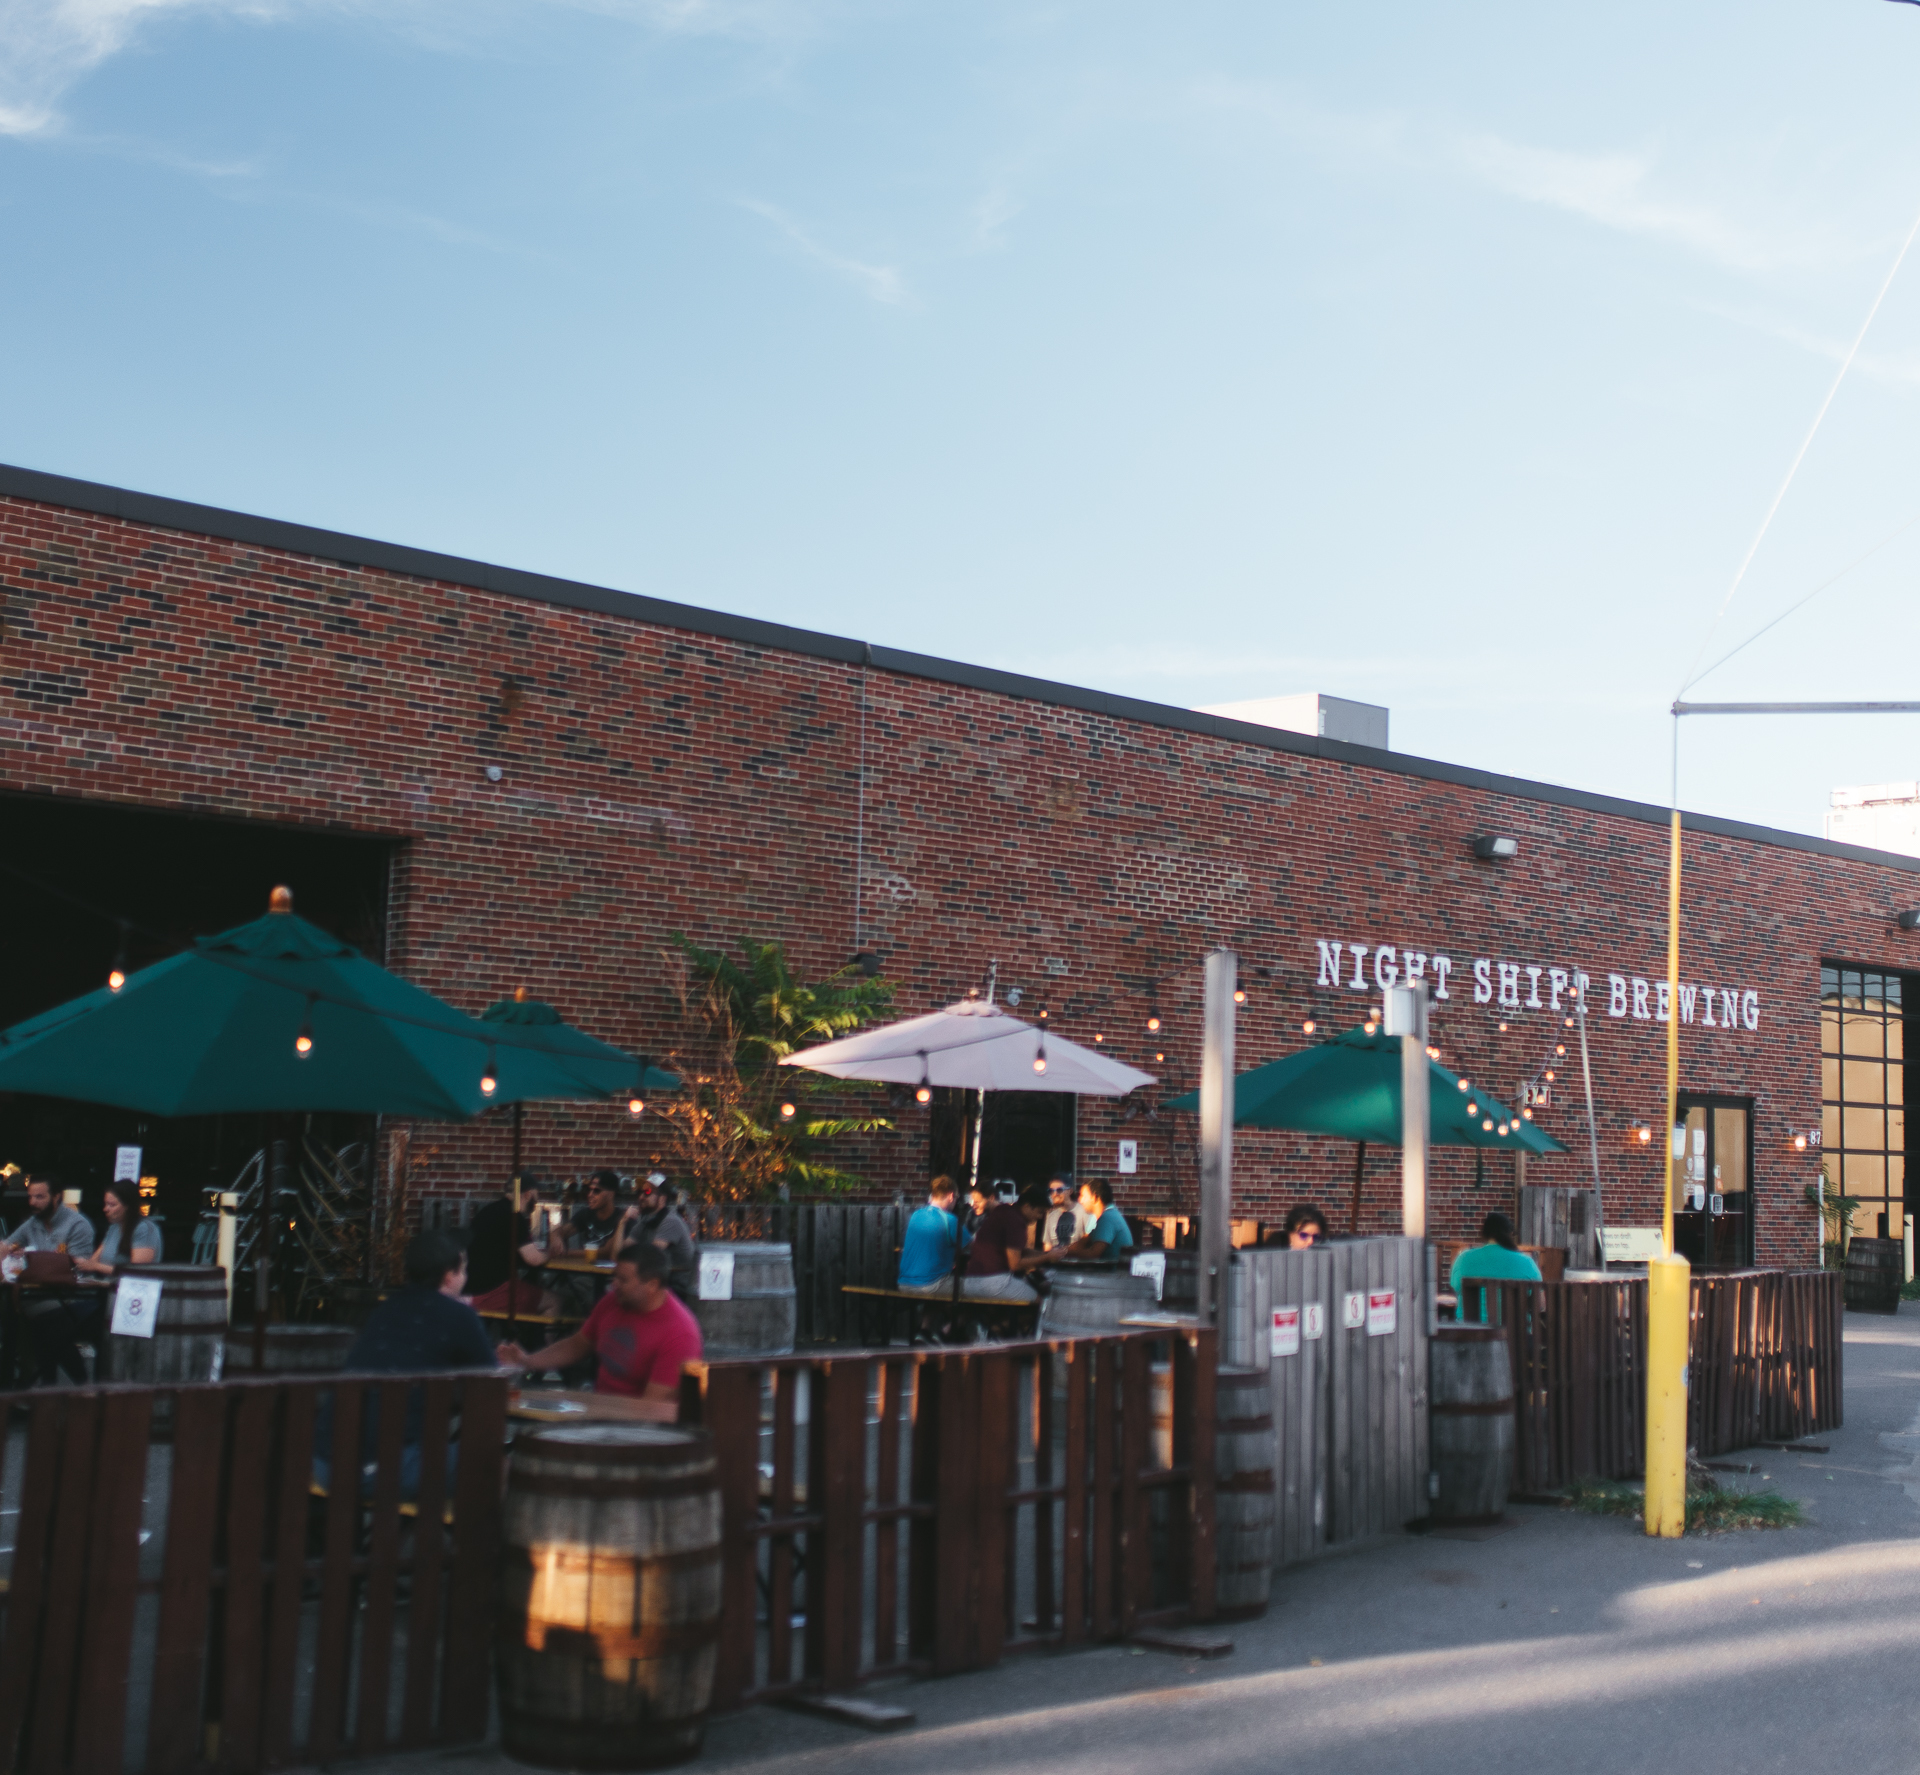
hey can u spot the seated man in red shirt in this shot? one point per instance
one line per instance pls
(641, 1333)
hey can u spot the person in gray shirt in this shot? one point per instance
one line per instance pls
(57, 1323)
(652, 1218)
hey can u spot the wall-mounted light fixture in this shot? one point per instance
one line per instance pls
(1491, 848)
(1908, 921)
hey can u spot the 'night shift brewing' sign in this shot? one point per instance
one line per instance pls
(1528, 986)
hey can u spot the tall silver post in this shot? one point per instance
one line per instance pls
(1406, 1016)
(1216, 1136)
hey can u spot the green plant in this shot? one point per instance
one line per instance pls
(1836, 1213)
(1711, 1508)
(742, 1127)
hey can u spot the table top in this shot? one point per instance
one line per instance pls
(562, 1405)
(575, 1265)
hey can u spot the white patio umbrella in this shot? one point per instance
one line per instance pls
(974, 1046)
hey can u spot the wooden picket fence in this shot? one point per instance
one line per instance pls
(1765, 1364)
(933, 1510)
(238, 1621)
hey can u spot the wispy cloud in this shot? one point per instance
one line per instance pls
(1901, 368)
(881, 283)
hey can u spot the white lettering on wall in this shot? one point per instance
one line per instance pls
(1378, 967)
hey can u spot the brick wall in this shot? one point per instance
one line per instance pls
(658, 779)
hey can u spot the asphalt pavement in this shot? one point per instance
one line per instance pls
(1559, 1644)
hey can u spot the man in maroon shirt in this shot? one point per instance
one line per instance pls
(641, 1333)
(999, 1236)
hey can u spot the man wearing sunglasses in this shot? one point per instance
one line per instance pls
(1062, 1224)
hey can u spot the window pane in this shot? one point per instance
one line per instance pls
(1829, 982)
(1896, 1177)
(1893, 986)
(1863, 1174)
(1829, 1126)
(1830, 1081)
(1896, 1086)
(1829, 1032)
(1730, 1151)
(1864, 1130)
(1896, 1130)
(1896, 1033)
(1863, 1035)
(1866, 1219)
(1862, 1081)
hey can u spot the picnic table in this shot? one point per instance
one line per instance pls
(566, 1405)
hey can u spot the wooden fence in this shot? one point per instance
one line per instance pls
(1764, 1364)
(191, 1604)
(933, 1510)
(1349, 1389)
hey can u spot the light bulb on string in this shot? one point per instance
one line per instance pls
(1503, 1026)
(1099, 1038)
(1153, 1023)
(1503, 1127)
(636, 1106)
(303, 1042)
(1239, 995)
(1560, 1048)
(1548, 1075)
(1528, 1114)
(1040, 1056)
(490, 1079)
(1473, 1109)
(1369, 1027)
(925, 1093)
(1158, 1058)
(1569, 1022)
(1487, 1127)
(1307, 1028)
(788, 1110)
(117, 974)
(1462, 1083)
(1433, 1053)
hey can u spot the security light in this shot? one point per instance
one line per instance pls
(1493, 849)
(1908, 921)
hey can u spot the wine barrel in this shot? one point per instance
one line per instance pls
(1874, 1271)
(760, 1316)
(610, 1620)
(1244, 1457)
(1470, 1422)
(189, 1329)
(1085, 1300)
(290, 1349)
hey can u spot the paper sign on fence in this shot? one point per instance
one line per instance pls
(1286, 1331)
(136, 1306)
(1353, 1311)
(1313, 1319)
(1631, 1244)
(1154, 1264)
(716, 1275)
(1382, 1313)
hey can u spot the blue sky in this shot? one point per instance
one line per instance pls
(1442, 357)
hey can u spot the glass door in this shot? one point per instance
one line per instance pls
(1713, 1214)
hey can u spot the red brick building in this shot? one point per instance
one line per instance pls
(541, 780)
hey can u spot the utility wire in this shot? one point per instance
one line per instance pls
(1846, 364)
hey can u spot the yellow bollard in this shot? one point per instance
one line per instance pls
(1669, 1300)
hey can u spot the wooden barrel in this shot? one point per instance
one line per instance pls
(610, 1619)
(189, 1330)
(759, 1318)
(1244, 1457)
(1085, 1300)
(1874, 1271)
(1470, 1422)
(290, 1349)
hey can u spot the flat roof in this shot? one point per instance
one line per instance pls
(361, 551)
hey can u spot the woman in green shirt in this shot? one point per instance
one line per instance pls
(1500, 1259)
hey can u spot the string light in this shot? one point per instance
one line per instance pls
(636, 1107)
(1158, 1058)
(117, 974)
(1099, 1038)
(787, 1111)
(925, 1093)
(1307, 1028)
(489, 1080)
(1433, 1053)
(1462, 1083)
(1369, 1027)
(1040, 1056)
(1569, 1022)
(1487, 1127)
(1503, 1127)
(1528, 1114)
(1503, 1026)
(1548, 1075)
(1560, 1049)
(303, 1042)
(1239, 995)
(1473, 1109)
(1153, 1023)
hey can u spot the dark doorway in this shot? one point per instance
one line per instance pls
(70, 871)
(1713, 1215)
(1028, 1135)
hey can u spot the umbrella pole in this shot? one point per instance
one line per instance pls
(1359, 1170)
(979, 1133)
(273, 1176)
(513, 1233)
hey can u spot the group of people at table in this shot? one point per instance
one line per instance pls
(55, 1245)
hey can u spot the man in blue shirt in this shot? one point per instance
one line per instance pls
(932, 1241)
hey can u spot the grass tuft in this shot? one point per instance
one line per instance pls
(1711, 1508)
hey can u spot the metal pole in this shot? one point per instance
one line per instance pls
(1216, 1136)
(1593, 1129)
(273, 1177)
(513, 1235)
(1405, 1011)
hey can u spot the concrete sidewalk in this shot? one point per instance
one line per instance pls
(1565, 1643)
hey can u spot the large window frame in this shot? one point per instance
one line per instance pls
(1863, 1132)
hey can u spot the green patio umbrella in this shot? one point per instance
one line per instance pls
(277, 1016)
(1348, 1088)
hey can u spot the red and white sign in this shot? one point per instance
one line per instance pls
(1382, 1313)
(1353, 1311)
(1286, 1331)
(1313, 1319)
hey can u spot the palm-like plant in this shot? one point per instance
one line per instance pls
(740, 1128)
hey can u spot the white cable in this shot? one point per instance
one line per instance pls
(1845, 366)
